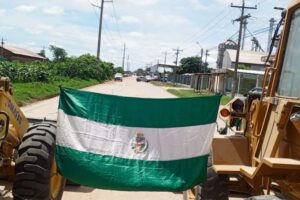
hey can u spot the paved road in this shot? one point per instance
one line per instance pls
(129, 87)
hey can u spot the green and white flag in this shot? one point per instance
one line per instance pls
(134, 144)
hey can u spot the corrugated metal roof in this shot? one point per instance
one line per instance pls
(244, 71)
(21, 51)
(248, 57)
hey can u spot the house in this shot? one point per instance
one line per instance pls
(248, 59)
(250, 72)
(12, 53)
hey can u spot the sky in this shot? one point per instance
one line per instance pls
(148, 27)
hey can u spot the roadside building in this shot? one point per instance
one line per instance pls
(13, 53)
(162, 68)
(250, 72)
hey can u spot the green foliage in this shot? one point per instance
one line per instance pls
(244, 66)
(26, 93)
(42, 53)
(119, 70)
(192, 65)
(59, 54)
(187, 93)
(84, 67)
(140, 71)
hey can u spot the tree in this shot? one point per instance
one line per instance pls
(42, 53)
(192, 65)
(119, 70)
(140, 71)
(59, 54)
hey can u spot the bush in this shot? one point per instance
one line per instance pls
(84, 67)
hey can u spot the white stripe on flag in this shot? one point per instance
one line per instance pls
(163, 144)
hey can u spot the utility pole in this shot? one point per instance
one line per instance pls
(272, 23)
(123, 59)
(177, 52)
(241, 20)
(128, 64)
(100, 25)
(166, 54)
(206, 55)
(201, 57)
(165, 63)
(244, 33)
(2, 46)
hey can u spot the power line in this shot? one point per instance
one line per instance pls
(116, 20)
(208, 28)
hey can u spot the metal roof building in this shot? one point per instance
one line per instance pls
(253, 59)
(16, 53)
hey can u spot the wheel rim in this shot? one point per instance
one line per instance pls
(56, 182)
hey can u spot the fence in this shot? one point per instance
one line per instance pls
(185, 79)
(202, 82)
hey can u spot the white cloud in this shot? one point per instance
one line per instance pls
(196, 4)
(55, 10)
(142, 2)
(25, 8)
(2, 12)
(129, 20)
(39, 29)
(135, 34)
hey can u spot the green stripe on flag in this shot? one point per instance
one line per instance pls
(134, 112)
(107, 172)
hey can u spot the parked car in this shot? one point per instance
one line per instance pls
(118, 77)
(140, 78)
(155, 78)
(255, 92)
(149, 78)
(164, 79)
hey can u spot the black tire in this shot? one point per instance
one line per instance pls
(216, 186)
(33, 166)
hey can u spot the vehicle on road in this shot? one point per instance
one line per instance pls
(257, 91)
(118, 77)
(149, 78)
(27, 151)
(141, 78)
(262, 153)
(164, 79)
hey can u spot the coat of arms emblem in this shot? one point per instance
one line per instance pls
(139, 143)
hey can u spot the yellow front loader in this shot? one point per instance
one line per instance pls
(27, 152)
(262, 157)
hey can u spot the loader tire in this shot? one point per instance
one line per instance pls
(216, 186)
(35, 166)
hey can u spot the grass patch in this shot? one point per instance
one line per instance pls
(166, 84)
(191, 93)
(25, 93)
